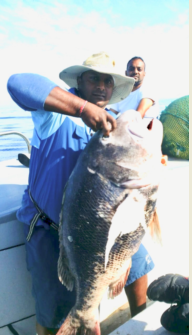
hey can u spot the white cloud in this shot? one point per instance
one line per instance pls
(183, 18)
(47, 41)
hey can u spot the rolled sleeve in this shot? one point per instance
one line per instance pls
(29, 91)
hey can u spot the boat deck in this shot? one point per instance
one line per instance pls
(170, 257)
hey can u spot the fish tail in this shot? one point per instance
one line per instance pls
(72, 326)
(154, 227)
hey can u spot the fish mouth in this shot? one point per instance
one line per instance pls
(137, 183)
(139, 129)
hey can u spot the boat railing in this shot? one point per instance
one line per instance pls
(19, 134)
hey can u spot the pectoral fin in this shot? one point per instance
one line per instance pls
(154, 227)
(117, 287)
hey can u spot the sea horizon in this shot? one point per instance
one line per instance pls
(13, 118)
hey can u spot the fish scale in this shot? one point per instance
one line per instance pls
(97, 235)
(106, 209)
(101, 204)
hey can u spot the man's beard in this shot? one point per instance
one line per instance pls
(137, 83)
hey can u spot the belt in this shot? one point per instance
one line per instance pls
(40, 215)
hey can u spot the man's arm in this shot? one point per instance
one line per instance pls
(66, 103)
(32, 92)
(144, 105)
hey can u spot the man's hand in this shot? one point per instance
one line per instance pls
(66, 103)
(97, 118)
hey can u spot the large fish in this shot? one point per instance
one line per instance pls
(108, 203)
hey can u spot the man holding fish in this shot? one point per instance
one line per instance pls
(63, 123)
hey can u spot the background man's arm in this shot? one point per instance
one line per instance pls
(144, 105)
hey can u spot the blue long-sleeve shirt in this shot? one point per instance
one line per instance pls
(57, 143)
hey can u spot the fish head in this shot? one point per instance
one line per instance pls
(130, 156)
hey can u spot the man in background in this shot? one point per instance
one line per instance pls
(141, 98)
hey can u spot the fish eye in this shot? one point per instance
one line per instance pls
(150, 125)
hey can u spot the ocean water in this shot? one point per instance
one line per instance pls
(15, 119)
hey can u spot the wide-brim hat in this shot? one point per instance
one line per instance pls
(101, 63)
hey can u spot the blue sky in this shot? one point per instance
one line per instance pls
(46, 36)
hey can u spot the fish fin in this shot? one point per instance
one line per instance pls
(154, 227)
(73, 326)
(65, 275)
(117, 287)
(123, 223)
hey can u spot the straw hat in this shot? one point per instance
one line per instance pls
(102, 63)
